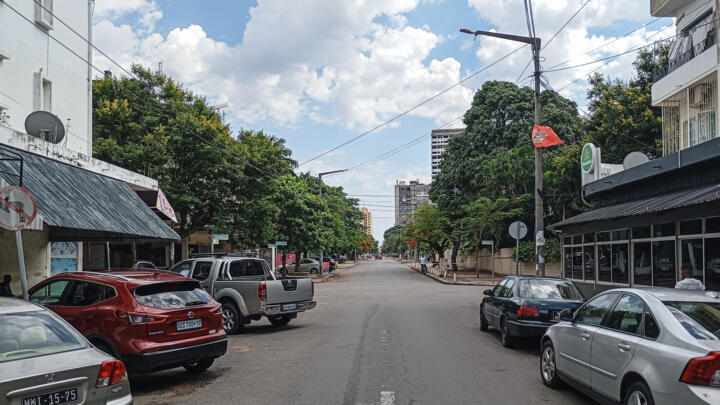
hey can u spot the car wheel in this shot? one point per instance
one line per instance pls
(505, 337)
(231, 318)
(313, 271)
(198, 366)
(548, 366)
(638, 394)
(483, 321)
(279, 320)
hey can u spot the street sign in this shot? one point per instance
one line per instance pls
(540, 238)
(281, 243)
(271, 245)
(517, 230)
(487, 242)
(18, 208)
(217, 237)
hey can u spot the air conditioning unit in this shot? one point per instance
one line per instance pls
(44, 13)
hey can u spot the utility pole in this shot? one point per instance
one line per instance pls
(539, 226)
(320, 176)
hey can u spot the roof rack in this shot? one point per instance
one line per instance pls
(219, 255)
(100, 273)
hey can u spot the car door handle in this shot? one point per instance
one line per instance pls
(623, 347)
(585, 336)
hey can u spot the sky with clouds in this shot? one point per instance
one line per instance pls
(320, 72)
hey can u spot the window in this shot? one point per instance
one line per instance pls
(577, 239)
(499, 287)
(35, 334)
(183, 268)
(627, 314)
(84, 293)
(46, 95)
(652, 330)
(602, 236)
(641, 232)
(604, 254)
(246, 268)
(663, 263)
(620, 263)
(50, 293)
(594, 311)
(700, 319)
(712, 225)
(549, 290)
(620, 234)
(202, 270)
(589, 265)
(661, 230)
(506, 291)
(692, 227)
(692, 254)
(589, 237)
(642, 263)
(171, 295)
(44, 13)
(568, 263)
(712, 264)
(577, 270)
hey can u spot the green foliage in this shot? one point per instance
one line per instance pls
(527, 251)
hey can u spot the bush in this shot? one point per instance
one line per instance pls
(527, 251)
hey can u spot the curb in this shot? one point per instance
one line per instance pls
(442, 280)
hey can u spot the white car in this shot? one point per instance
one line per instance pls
(638, 346)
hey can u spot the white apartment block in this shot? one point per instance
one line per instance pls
(439, 139)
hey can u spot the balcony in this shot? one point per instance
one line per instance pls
(665, 8)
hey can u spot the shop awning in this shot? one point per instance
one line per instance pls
(656, 204)
(80, 205)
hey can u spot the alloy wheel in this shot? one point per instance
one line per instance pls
(228, 319)
(548, 363)
(637, 398)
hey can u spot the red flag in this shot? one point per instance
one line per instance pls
(543, 137)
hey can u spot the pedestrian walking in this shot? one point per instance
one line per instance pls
(423, 264)
(688, 282)
(5, 290)
(443, 267)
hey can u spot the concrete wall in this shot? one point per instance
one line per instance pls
(504, 263)
(36, 250)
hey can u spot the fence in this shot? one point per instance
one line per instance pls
(504, 263)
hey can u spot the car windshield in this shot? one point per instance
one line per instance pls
(35, 334)
(700, 319)
(171, 295)
(549, 290)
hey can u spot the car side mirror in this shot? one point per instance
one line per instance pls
(488, 292)
(567, 315)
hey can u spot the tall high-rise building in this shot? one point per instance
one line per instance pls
(367, 222)
(408, 197)
(439, 139)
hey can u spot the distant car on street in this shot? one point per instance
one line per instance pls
(43, 360)
(378, 257)
(307, 265)
(524, 306)
(151, 320)
(638, 346)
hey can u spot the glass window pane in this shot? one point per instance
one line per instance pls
(642, 263)
(712, 264)
(640, 232)
(577, 239)
(577, 272)
(507, 288)
(602, 236)
(49, 294)
(620, 267)
(712, 225)
(627, 314)
(567, 240)
(603, 262)
(692, 227)
(700, 319)
(589, 238)
(661, 230)
(652, 330)
(568, 261)
(36, 334)
(664, 263)
(620, 234)
(499, 287)
(589, 256)
(594, 311)
(202, 270)
(692, 254)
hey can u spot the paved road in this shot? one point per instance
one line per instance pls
(381, 334)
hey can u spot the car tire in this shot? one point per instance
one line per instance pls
(483, 322)
(638, 393)
(198, 366)
(231, 318)
(313, 271)
(505, 337)
(548, 366)
(279, 320)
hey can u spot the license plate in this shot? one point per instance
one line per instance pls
(189, 324)
(289, 307)
(54, 398)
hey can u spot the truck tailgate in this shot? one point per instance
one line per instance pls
(289, 289)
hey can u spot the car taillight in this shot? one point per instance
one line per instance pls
(703, 370)
(527, 311)
(262, 292)
(111, 372)
(134, 318)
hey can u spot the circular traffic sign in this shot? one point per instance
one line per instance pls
(517, 230)
(18, 208)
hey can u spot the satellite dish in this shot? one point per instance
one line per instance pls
(46, 126)
(634, 159)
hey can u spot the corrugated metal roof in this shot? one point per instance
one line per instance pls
(664, 202)
(70, 197)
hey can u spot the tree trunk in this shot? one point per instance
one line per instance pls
(453, 258)
(298, 258)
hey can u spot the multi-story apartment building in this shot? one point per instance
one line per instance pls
(439, 139)
(408, 197)
(367, 221)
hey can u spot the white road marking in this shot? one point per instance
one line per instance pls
(387, 397)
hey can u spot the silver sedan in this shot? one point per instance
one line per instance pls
(306, 266)
(638, 347)
(43, 361)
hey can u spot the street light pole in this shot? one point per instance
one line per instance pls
(539, 226)
(320, 176)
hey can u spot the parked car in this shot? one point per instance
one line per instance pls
(144, 264)
(248, 290)
(43, 360)
(151, 320)
(524, 306)
(638, 346)
(341, 259)
(332, 265)
(307, 265)
(378, 257)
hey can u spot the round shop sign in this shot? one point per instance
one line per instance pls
(17, 208)
(587, 158)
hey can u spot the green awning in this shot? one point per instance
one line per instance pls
(80, 205)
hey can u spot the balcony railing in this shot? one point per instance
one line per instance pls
(660, 51)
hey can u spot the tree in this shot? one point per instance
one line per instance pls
(486, 217)
(430, 226)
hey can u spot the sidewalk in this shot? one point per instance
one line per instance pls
(332, 276)
(461, 277)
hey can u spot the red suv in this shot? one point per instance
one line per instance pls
(151, 320)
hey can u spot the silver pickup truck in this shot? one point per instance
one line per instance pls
(248, 290)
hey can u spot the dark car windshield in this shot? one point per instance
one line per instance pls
(700, 319)
(35, 334)
(171, 295)
(549, 290)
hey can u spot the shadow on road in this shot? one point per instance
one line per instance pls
(176, 382)
(265, 329)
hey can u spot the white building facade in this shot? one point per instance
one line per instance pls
(439, 139)
(408, 197)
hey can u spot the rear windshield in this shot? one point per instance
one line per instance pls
(35, 334)
(549, 290)
(700, 319)
(171, 295)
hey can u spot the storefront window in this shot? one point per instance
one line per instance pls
(692, 254)
(641, 232)
(602, 236)
(153, 253)
(664, 263)
(642, 263)
(121, 256)
(620, 263)
(712, 225)
(604, 262)
(712, 264)
(94, 256)
(589, 256)
(589, 237)
(692, 227)
(567, 272)
(620, 234)
(577, 271)
(661, 230)
(577, 239)
(567, 240)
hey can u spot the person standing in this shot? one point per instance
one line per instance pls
(688, 282)
(423, 264)
(5, 290)
(443, 267)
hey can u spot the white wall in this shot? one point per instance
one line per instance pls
(30, 49)
(36, 252)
